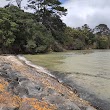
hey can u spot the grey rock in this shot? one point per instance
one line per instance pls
(50, 91)
(6, 108)
(5, 66)
(21, 91)
(55, 99)
(90, 108)
(68, 106)
(23, 87)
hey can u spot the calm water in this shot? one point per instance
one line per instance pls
(89, 69)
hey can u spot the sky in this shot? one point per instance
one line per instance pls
(63, 1)
(91, 12)
(80, 12)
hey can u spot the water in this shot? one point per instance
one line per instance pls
(89, 69)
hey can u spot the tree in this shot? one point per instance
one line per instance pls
(103, 42)
(102, 29)
(20, 33)
(102, 36)
(47, 7)
(88, 34)
(74, 39)
(31, 35)
(18, 2)
(48, 12)
(7, 30)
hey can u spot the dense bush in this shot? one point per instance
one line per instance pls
(20, 33)
(86, 38)
(24, 32)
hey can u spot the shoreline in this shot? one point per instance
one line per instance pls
(31, 85)
(96, 102)
(99, 104)
(50, 73)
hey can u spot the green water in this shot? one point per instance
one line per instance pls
(89, 69)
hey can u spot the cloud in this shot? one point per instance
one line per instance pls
(3, 3)
(91, 12)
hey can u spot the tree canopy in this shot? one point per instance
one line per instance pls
(44, 31)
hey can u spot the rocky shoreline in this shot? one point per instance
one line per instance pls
(23, 87)
(98, 103)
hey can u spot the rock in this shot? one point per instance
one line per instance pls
(55, 99)
(50, 91)
(32, 88)
(20, 91)
(90, 108)
(26, 106)
(69, 106)
(35, 90)
(7, 108)
(6, 66)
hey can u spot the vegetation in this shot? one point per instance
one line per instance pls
(43, 30)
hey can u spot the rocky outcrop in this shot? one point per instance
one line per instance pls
(24, 88)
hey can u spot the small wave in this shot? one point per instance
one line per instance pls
(39, 68)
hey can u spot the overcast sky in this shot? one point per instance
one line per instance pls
(91, 12)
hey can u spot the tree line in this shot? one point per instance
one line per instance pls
(86, 38)
(43, 30)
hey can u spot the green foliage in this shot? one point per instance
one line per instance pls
(86, 38)
(43, 31)
(75, 39)
(7, 29)
(20, 31)
(103, 42)
(102, 29)
(78, 44)
(48, 13)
